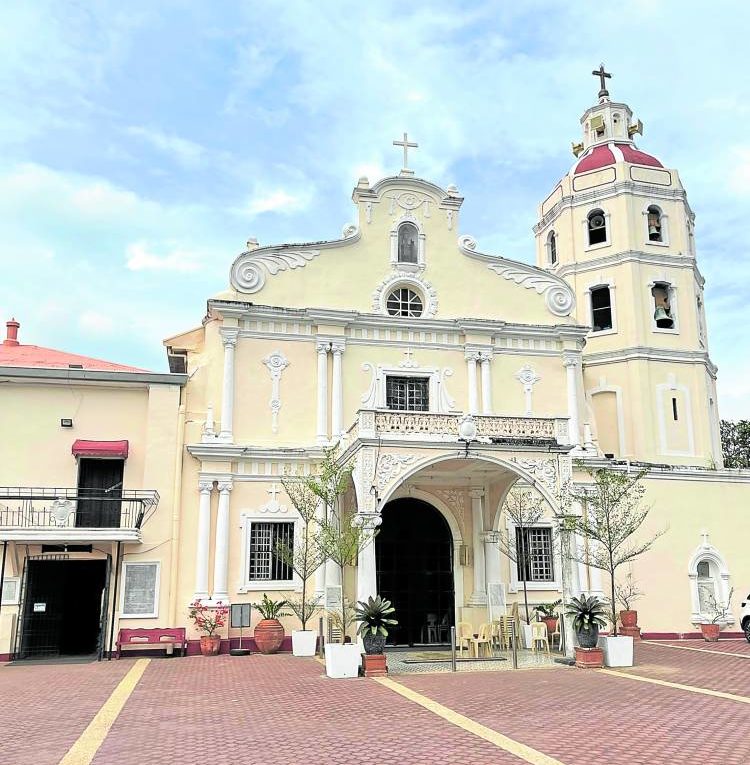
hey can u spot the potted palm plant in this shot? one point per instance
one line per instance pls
(375, 617)
(588, 614)
(547, 612)
(208, 619)
(269, 632)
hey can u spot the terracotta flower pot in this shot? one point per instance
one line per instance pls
(589, 658)
(710, 632)
(551, 622)
(629, 618)
(374, 665)
(268, 635)
(210, 644)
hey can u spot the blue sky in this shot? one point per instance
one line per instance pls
(141, 144)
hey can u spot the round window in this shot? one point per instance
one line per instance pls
(404, 302)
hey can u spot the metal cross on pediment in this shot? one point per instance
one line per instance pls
(602, 75)
(406, 144)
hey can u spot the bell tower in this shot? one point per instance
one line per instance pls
(619, 229)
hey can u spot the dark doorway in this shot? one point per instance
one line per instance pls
(414, 554)
(99, 493)
(62, 607)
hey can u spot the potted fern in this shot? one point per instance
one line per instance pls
(269, 632)
(375, 617)
(589, 615)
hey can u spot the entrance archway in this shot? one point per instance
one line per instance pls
(414, 559)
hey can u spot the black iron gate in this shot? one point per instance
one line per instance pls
(102, 639)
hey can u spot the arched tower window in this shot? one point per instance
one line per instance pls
(655, 224)
(408, 243)
(552, 248)
(664, 317)
(597, 227)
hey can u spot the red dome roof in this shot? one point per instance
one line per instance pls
(608, 153)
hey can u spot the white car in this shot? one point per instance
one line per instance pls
(745, 617)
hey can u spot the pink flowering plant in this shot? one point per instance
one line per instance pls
(208, 618)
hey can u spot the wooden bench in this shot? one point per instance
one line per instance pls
(160, 637)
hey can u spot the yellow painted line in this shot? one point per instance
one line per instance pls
(699, 650)
(678, 686)
(88, 743)
(525, 753)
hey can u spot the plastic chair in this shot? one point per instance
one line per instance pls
(464, 636)
(539, 635)
(484, 638)
(556, 634)
(431, 629)
(505, 632)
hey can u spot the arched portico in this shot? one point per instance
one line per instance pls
(466, 489)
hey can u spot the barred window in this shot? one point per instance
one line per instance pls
(404, 302)
(534, 555)
(408, 393)
(264, 563)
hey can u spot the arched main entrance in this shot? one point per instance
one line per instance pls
(414, 558)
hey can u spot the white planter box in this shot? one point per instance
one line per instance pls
(526, 632)
(342, 660)
(303, 642)
(618, 651)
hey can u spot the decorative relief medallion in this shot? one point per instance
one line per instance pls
(273, 506)
(349, 231)
(544, 471)
(390, 467)
(528, 378)
(558, 295)
(276, 363)
(408, 200)
(249, 271)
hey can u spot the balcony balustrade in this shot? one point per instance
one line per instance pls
(430, 426)
(46, 513)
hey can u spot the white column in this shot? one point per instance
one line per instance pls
(367, 579)
(221, 550)
(337, 394)
(572, 361)
(486, 385)
(479, 596)
(204, 532)
(322, 349)
(471, 370)
(229, 338)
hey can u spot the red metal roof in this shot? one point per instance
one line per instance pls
(603, 156)
(36, 356)
(83, 448)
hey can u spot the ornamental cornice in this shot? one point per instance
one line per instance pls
(631, 256)
(612, 190)
(558, 295)
(643, 353)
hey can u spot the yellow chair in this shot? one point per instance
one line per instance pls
(539, 635)
(556, 634)
(484, 638)
(464, 636)
(505, 632)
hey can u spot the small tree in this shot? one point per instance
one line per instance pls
(614, 512)
(303, 554)
(341, 538)
(524, 508)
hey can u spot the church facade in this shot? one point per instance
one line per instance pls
(446, 376)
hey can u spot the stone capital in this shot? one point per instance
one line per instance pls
(225, 487)
(338, 347)
(204, 487)
(322, 346)
(229, 337)
(571, 359)
(476, 492)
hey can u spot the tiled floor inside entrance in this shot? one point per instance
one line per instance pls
(406, 662)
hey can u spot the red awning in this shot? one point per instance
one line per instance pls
(117, 449)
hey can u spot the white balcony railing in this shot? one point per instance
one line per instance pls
(445, 427)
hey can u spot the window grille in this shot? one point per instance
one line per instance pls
(264, 562)
(404, 302)
(408, 393)
(534, 555)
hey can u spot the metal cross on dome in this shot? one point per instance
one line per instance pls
(406, 145)
(602, 75)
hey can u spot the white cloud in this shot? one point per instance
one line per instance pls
(96, 323)
(184, 151)
(141, 258)
(277, 201)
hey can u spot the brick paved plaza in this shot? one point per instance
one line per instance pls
(278, 709)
